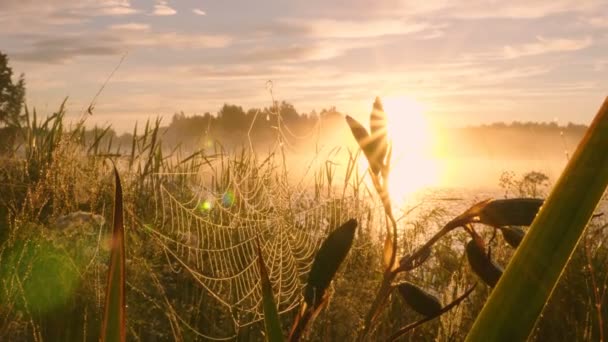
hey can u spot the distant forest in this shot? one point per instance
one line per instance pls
(234, 127)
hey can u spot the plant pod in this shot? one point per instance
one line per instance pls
(513, 235)
(421, 301)
(510, 212)
(485, 268)
(327, 261)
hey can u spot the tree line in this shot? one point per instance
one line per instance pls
(233, 125)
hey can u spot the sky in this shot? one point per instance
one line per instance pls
(465, 62)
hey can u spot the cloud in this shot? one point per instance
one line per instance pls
(541, 46)
(601, 22)
(330, 28)
(433, 34)
(131, 27)
(519, 9)
(83, 8)
(42, 15)
(199, 11)
(544, 45)
(443, 9)
(306, 51)
(118, 39)
(56, 53)
(600, 65)
(162, 8)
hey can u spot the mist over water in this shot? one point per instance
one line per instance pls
(467, 158)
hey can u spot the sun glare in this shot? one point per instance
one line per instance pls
(412, 164)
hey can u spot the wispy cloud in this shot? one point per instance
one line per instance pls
(41, 15)
(442, 9)
(162, 8)
(116, 8)
(598, 21)
(545, 45)
(117, 39)
(433, 34)
(330, 28)
(600, 65)
(519, 9)
(131, 27)
(199, 11)
(302, 52)
(540, 46)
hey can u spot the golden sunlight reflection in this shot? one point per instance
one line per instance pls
(412, 164)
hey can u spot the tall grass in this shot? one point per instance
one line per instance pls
(58, 174)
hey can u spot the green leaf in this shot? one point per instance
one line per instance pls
(486, 269)
(513, 235)
(114, 328)
(421, 301)
(327, 261)
(272, 322)
(519, 297)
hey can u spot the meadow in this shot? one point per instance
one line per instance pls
(193, 220)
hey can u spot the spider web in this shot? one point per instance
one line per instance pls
(211, 222)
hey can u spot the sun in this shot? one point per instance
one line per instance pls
(412, 164)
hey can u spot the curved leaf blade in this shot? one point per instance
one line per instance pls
(114, 321)
(378, 127)
(366, 144)
(272, 322)
(330, 256)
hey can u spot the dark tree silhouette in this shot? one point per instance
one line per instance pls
(232, 118)
(12, 95)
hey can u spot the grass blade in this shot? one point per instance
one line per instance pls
(114, 328)
(519, 297)
(272, 323)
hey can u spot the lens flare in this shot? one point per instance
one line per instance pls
(228, 198)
